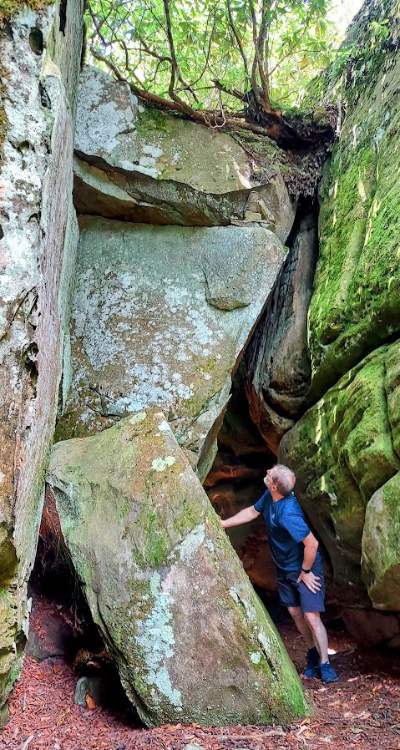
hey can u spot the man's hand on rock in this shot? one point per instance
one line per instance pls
(310, 580)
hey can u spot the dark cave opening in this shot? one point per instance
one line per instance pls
(62, 627)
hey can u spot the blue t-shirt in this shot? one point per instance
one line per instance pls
(287, 528)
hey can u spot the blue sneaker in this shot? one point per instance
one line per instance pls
(327, 672)
(312, 667)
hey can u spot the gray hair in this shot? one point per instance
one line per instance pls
(283, 478)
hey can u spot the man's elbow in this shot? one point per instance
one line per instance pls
(311, 542)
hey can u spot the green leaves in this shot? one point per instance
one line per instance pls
(214, 39)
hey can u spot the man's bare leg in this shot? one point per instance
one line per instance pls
(302, 626)
(317, 627)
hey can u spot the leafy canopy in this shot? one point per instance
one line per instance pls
(205, 54)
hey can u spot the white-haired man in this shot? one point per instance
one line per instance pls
(300, 573)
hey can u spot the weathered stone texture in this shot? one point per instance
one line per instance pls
(345, 449)
(356, 302)
(191, 640)
(141, 164)
(38, 239)
(160, 317)
(277, 361)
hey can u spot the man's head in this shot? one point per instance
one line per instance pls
(280, 480)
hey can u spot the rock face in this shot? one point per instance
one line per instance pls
(346, 448)
(191, 639)
(160, 317)
(143, 165)
(356, 302)
(277, 361)
(39, 68)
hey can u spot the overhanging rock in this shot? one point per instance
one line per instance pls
(140, 164)
(191, 639)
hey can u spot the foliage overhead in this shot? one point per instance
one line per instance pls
(205, 55)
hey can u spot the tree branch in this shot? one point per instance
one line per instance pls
(231, 92)
(238, 40)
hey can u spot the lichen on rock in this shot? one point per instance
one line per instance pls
(141, 164)
(164, 586)
(160, 317)
(39, 70)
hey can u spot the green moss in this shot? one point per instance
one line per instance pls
(151, 121)
(343, 450)
(356, 302)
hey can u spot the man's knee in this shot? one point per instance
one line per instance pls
(295, 613)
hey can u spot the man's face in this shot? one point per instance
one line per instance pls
(268, 480)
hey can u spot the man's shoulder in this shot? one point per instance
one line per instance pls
(291, 504)
(262, 501)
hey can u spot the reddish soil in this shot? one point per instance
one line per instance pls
(361, 711)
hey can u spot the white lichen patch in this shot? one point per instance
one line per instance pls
(192, 543)
(142, 326)
(160, 464)
(137, 418)
(255, 657)
(264, 642)
(157, 641)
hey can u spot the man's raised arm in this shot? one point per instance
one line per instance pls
(244, 516)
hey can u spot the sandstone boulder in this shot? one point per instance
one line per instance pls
(191, 640)
(141, 164)
(160, 317)
(40, 55)
(381, 546)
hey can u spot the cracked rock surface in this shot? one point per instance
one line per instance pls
(141, 164)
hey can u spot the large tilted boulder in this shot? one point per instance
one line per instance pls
(160, 317)
(191, 640)
(346, 452)
(141, 164)
(40, 54)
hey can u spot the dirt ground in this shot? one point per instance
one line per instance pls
(361, 711)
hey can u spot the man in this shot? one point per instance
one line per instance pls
(299, 564)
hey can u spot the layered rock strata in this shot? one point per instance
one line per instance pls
(39, 68)
(140, 164)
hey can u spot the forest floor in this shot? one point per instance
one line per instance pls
(361, 711)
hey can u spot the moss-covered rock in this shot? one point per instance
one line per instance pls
(381, 548)
(356, 302)
(191, 640)
(344, 449)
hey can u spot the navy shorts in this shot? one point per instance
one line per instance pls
(293, 594)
